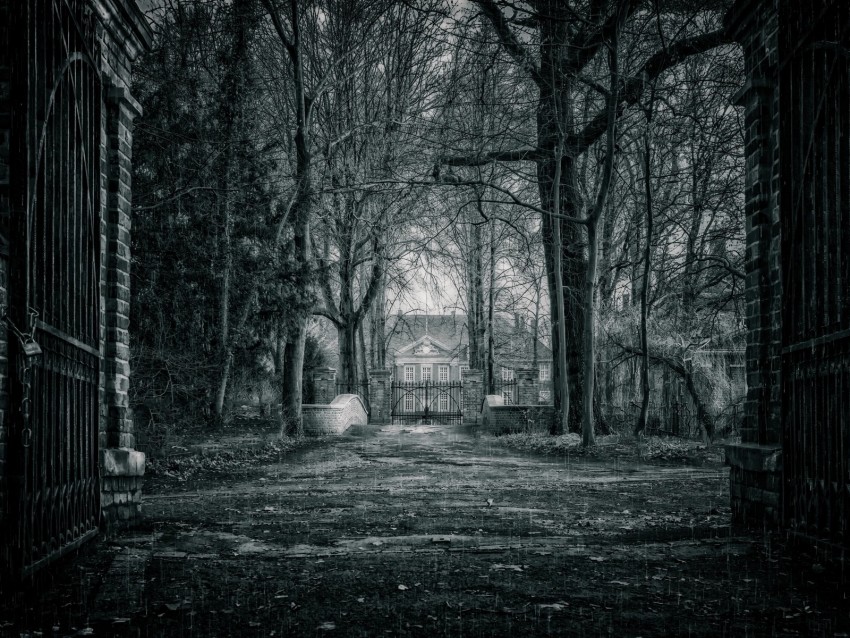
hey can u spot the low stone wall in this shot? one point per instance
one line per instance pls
(121, 475)
(498, 418)
(343, 412)
(755, 484)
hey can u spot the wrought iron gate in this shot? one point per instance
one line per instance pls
(54, 281)
(428, 402)
(815, 212)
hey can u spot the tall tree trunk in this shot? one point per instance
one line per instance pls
(225, 349)
(592, 225)
(560, 372)
(644, 292)
(363, 377)
(559, 194)
(491, 337)
(234, 92)
(291, 399)
(588, 420)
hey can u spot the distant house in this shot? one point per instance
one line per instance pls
(435, 348)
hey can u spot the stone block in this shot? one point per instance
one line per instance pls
(754, 458)
(118, 462)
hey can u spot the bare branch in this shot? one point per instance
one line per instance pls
(509, 40)
(631, 88)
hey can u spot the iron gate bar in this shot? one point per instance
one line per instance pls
(55, 268)
(815, 191)
(426, 398)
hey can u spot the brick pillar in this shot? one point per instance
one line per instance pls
(122, 109)
(324, 381)
(756, 463)
(527, 391)
(380, 396)
(754, 25)
(473, 395)
(122, 467)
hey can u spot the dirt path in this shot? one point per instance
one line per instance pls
(434, 531)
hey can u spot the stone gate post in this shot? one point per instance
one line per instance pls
(527, 391)
(381, 395)
(473, 395)
(324, 381)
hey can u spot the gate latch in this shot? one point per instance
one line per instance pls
(29, 346)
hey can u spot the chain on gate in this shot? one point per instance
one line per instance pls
(29, 353)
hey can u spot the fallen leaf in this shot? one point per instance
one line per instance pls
(327, 626)
(552, 606)
(402, 587)
(597, 559)
(516, 568)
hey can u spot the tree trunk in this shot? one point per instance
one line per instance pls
(560, 371)
(363, 377)
(234, 91)
(291, 399)
(644, 292)
(588, 421)
(491, 337)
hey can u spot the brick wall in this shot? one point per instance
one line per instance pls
(755, 472)
(343, 412)
(498, 418)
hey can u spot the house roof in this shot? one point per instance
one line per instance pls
(513, 342)
(448, 330)
(513, 345)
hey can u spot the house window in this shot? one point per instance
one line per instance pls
(507, 374)
(426, 373)
(443, 373)
(462, 370)
(408, 373)
(444, 402)
(544, 371)
(408, 402)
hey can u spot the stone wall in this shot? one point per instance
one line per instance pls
(498, 418)
(343, 412)
(755, 467)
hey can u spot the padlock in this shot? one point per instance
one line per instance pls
(31, 349)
